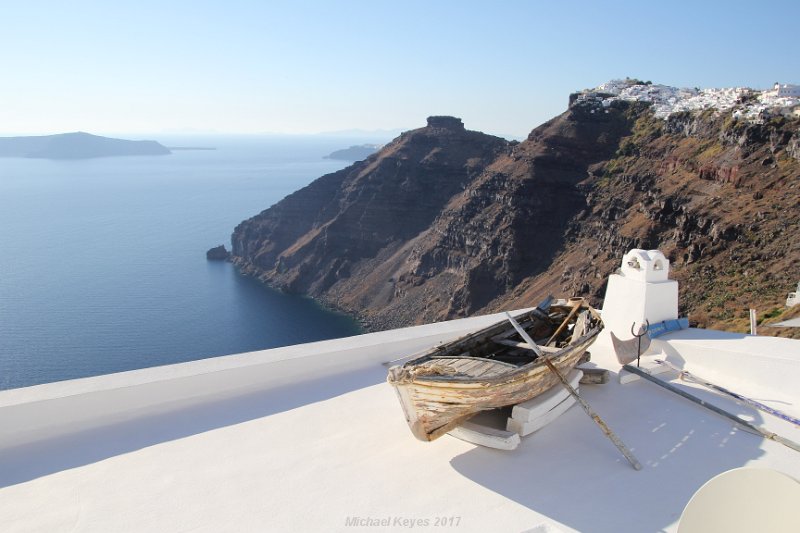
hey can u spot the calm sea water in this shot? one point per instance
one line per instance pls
(102, 261)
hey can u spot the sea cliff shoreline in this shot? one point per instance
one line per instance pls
(365, 323)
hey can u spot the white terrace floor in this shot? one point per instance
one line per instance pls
(311, 438)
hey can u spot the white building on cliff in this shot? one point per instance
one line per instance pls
(786, 90)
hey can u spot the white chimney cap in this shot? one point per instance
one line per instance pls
(645, 265)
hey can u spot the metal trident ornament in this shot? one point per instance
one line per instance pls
(642, 332)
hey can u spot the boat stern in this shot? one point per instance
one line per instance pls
(401, 388)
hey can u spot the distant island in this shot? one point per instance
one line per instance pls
(354, 153)
(78, 145)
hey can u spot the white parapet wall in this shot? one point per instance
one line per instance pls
(640, 291)
(767, 368)
(46, 411)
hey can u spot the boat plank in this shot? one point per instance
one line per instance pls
(464, 366)
(489, 370)
(470, 367)
(524, 345)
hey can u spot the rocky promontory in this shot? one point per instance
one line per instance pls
(218, 253)
(444, 222)
(78, 145)
(331, 233)
(354, 153)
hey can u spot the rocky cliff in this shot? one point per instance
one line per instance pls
(326, 237)
(720, 197)
(354, 153)
(445, 222)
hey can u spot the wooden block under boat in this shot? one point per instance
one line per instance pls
(486, 436)
(526, 428)
(542, 404)
(594, 376)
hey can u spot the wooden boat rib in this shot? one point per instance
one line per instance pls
(492, 367)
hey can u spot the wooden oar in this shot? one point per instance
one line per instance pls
(741, 421)
(594, 416)
(560, 328)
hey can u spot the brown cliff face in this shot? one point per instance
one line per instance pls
(325, 233)
(445, 222)
(720, 198)
(505, 226)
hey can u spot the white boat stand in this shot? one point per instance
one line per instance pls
(503, 428)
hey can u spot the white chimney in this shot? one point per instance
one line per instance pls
(641, 290)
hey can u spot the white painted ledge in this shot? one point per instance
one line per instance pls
(758, 366)
(45, 411)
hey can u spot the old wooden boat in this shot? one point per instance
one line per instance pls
(493, 367)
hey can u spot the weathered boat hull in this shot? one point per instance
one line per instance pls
(435, 404)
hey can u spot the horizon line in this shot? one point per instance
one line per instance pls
(354, 133)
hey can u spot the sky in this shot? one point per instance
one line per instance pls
(260, 66)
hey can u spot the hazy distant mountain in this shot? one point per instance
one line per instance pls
(78, 145)
(354, 153)
(355, 133)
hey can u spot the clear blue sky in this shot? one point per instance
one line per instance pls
(299, 67)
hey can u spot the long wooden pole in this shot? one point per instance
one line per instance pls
(742, 422)
(688, 376)
(589, 411)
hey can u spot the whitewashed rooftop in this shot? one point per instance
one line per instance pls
(748, 103)
(311, 438)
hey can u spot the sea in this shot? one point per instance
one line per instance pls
(103, 267)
